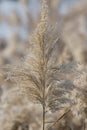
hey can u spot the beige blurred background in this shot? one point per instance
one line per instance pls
(18, 19)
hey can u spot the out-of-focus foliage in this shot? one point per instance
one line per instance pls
(15, 27)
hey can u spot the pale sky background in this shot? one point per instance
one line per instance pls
(7, 6)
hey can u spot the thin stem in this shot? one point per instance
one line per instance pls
(43, 81)
(43, 116)
(59, 119)
(44, 106)
(43, 84)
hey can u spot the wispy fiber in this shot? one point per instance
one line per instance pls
(40, 78)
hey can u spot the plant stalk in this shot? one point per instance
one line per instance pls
(43, 116)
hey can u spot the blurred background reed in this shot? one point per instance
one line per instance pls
(18, 18)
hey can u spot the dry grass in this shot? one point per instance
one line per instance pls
(46, 79)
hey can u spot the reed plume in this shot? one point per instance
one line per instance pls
(40, 78)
